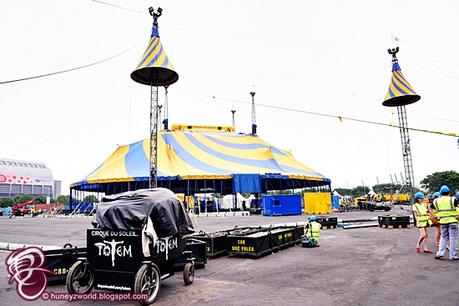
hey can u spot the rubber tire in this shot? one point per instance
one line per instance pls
(71, 275)
(188, 273)
(138, 284)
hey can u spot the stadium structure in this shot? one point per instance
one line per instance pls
(27, 177)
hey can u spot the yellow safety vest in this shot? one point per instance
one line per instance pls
(314, 230)
(422, 217)
(445, 210)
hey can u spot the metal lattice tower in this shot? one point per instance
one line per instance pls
(254, 118)
(154, 120)
(166, 108)
(401, 93)
(406, 148)
(154, 71)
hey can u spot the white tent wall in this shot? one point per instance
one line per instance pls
(227, 202)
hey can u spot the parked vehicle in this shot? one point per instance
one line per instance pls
(139, 237)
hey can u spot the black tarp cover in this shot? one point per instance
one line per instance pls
(129, 210)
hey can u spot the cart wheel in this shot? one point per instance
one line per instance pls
(188, 273)
(80, 278)
(148, 281)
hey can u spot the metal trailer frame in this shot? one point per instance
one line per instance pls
(60, 260)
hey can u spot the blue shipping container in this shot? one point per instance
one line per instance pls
(281, 205)
(6, 211)
(335, 202)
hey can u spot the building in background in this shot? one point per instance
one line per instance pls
(57, 189)
(27, 177)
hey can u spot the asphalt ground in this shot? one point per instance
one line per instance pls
(367, 266)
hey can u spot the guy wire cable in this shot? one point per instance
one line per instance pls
(341, 118)
(72, 69)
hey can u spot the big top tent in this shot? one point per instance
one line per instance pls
(192, 159)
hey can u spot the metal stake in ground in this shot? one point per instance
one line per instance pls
(154, 69)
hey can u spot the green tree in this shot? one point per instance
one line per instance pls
(434, 181)
(63, 199)
(6, 202)
(21, 198)
(386, 188)
(345, 191)
(360, 190)
(41, 199)
(91, 198)
(405, 189)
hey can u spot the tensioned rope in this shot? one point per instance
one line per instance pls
(71, 69)
(341, 118)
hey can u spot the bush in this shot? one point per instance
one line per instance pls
(63, 199)
(41, 199)
(91, 198)
(21, 198)
(6, 202)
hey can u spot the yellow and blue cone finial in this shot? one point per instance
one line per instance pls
(154, 68)
(400, 91)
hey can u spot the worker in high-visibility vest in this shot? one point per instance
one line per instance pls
(422, 219)
(312, 231)
(434, 219)
(445, 210)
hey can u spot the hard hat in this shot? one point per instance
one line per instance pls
(419, 195)
(436, 195)
(444, 189)
(457, 195)
(312, 218)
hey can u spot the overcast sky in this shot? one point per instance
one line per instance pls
(324, 56)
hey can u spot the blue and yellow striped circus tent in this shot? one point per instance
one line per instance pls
(190, 160)
(154, 67)
(400, 91)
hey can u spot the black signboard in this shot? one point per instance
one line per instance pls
(110, 252)
(116, 255)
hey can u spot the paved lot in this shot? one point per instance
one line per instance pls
(369, 266)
